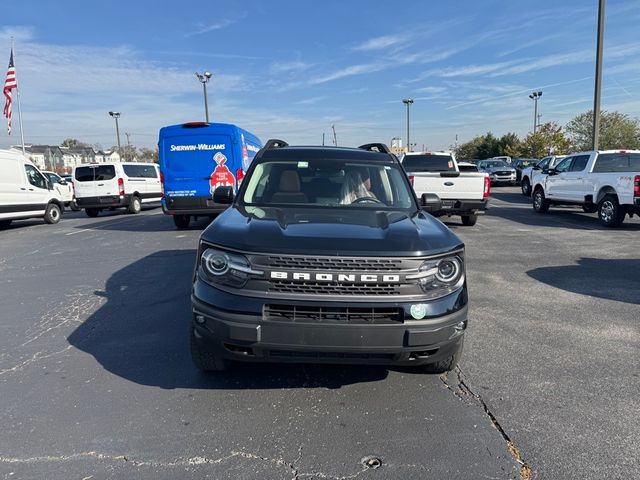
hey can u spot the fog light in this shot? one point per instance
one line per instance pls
(200, 319)
(460, 327)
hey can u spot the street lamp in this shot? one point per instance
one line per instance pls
(204, 78)
(408, 102)
(535, 96)
(598, 85)
(116, 116)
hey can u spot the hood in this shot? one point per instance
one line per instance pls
(499, 169)
(353, 232)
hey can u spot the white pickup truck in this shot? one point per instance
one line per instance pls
(607, 182)
(437, 173)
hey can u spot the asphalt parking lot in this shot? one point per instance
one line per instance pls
(96, 380)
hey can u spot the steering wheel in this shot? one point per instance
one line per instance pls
(366, 200)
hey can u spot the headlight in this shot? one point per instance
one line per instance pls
(440, 276)
(219, 267)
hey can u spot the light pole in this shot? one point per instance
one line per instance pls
(204, 79)
(408, 102)
(116, 116)
(535, 96)
(598, 86)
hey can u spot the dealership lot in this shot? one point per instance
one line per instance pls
(97, 382)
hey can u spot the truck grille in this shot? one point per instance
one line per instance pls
(350, 264)
(351, 315)
(284, 286)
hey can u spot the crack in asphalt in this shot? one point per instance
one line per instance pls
(462, 390)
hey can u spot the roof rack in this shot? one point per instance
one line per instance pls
(275, 143)
(375, 147)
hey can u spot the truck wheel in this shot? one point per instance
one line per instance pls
(610, 212)
(5, 223)
(92, 212)
(134, 205)
(469, 220)
(590, 208)
(74, 206)
(205, 360)
(181, 221)
(525, 185)
(52, 214)
(447, 364)
(540, 202)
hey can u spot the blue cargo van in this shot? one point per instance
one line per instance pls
(197, 157)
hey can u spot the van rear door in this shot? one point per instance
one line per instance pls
(194, 165)
(83, 181)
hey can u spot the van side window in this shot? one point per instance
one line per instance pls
(105, 172)
(149, 171)
(35, 177)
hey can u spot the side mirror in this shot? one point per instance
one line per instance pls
(552, 171)
(49, 184)
(430, 202)
(223, 195)
(62, 181)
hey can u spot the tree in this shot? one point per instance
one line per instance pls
(73, 143)
(548, 139)
(148, 155)
(617, 131)
(510, 145)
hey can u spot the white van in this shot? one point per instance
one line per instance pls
(25, 192)
(116, 185)
(64, 188)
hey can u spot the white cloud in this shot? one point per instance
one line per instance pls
(201, 28)
(380, 43)
(286, 67)
(310, 101)
(349, 71)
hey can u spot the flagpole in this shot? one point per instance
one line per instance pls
(13, 50)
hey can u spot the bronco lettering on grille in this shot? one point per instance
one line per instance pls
(336, 277)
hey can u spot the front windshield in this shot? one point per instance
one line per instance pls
(324, 183)
(496, 164)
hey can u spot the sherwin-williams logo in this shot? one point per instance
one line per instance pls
(335, 277)
(199, 146)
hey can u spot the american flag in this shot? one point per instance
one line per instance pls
(9, 84)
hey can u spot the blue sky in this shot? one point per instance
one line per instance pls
(291, 69)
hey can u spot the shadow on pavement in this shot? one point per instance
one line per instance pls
(611, 279)
(141, 223)
(141, 334)
(561, 216)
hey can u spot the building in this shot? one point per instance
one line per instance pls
(45, 157)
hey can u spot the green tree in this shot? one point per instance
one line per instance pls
(489, 146)
(548, 139)
(617, 130)
(73, 143)
(510, 145)
(467, 150)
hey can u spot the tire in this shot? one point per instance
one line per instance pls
(135, 205)
(206, 360)
(52, 214)
(469, 220)
(181, 221)
(5, 223)
(540, 202)
(525, 186)
(610, 213)
(92, 212)
(74, 206)
(590, 208)
(447, 364)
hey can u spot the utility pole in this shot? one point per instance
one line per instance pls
(323, 139)
(408, 102)
(335, 140)
(539, 116)
(204, 79)
(598, 85)
(128, 146)
(116, 116)
(535, 96)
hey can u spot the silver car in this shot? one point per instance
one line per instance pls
(499, 171)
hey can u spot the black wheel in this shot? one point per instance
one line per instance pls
(447, 364)
(182, 221)
(540, 202)
(590, 208)
(92, 212)
(610, 212)
(74, 206)
(5, 223)
(52, 214)
(469, 220)
(206, 360)
(525, 185)
(135, 205)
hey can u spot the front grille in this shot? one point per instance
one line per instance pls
(503, 173)
(284, 286)
(350, 264)
(341, 315)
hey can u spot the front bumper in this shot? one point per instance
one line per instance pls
(236, 329)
